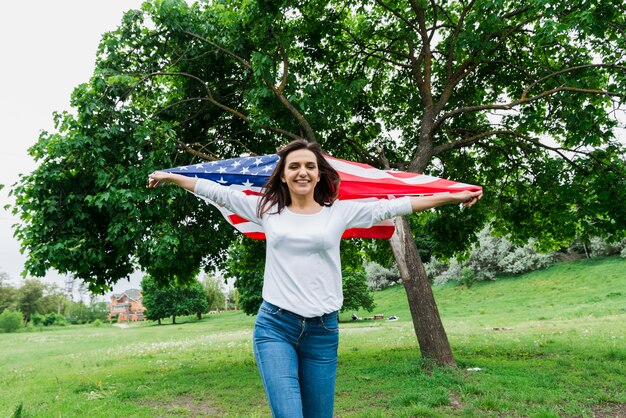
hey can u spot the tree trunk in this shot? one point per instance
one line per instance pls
(199, 315)
(173, 319)
(429, 330)
(159, 321)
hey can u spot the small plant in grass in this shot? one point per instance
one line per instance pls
(10, 320)
(18, 412)
(97, 323)
(467, 277)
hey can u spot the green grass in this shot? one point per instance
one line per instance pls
(549, 344)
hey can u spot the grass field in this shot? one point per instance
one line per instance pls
(548, 344)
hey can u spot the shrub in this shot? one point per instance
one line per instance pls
(379, 277)
(600, 247)
(491, 257)
(10, 320)
(54, 319)
(355, 293)
(453, 272)
(97, 323)
(36, 319)
(467, 277)
(434, 269)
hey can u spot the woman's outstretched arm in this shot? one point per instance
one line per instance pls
(467, 198)
(163, 177)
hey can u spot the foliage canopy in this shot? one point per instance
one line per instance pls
(162, 301)
(519, 97)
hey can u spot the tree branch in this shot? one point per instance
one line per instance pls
(214, 102)
(383, 158)
(425, 55)
(398, 15)
(194, 152)
(433, 5)
(219, 48)
(466, 142)
(567, 70)
(517, 12)
(283, 82)
(454, 37)
(510, 105)
(365, 49)
(278, 91)
(166, 108)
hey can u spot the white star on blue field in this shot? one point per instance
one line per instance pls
(245, 171)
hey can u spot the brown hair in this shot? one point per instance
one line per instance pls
(276, 193)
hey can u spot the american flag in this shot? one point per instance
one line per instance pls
(358, 181)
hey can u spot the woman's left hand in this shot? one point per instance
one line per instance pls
(467, 198)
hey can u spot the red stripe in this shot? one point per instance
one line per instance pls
(377, 231)
(236, 219)
(362, 189)
(251, 192)
(387, 182)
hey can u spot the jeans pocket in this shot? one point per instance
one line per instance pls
(330, 324)
(269, 309)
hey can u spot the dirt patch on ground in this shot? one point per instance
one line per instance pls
(455, 401)
(185, 405)
(609, 410)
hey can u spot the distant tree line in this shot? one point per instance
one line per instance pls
(38, 304)
(171, 299)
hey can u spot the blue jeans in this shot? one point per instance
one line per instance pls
(297, 360)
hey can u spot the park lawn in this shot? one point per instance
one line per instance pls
(551, 343)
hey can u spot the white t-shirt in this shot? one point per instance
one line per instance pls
(302, 265)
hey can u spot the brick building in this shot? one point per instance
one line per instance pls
(127, 306)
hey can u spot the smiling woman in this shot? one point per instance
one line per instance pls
(296, 332)
(301, 175)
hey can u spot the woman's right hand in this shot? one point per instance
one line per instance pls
(157, 178)
(163, 177)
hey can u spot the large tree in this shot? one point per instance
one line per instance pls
(171, 299)
(29, 298)
(520, 97)
(8, 293)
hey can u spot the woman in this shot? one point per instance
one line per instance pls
(296, 332)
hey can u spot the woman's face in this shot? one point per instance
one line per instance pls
(301, 173)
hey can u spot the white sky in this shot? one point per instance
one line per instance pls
(48, 48)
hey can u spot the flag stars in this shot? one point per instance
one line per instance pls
(236, 164)
(221, 170)
(247, 183)
(267, 168)
(258, 162)
(245, 170)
